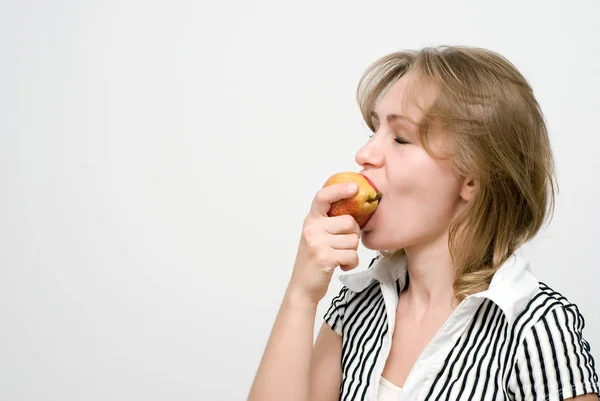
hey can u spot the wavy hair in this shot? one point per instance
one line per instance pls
(497, 136)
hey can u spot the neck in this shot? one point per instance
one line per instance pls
(431, 277)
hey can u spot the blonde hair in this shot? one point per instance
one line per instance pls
(498, 137)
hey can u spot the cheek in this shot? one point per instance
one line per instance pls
(421, 197)
(417, 172)
(423, 184)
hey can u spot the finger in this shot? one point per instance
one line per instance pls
(327, 195)
(348, 259)
(344, 241)
(344, 224)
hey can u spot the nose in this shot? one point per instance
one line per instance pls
(370, 155)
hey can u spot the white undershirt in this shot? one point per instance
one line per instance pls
(389, 391)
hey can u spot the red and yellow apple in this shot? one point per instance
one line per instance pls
(361, 205)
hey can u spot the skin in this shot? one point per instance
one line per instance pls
(420, 197)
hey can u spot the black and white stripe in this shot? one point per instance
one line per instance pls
(541, 355)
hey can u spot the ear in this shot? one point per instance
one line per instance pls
(467, 189)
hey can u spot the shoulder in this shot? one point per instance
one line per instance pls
(548, 318)
(551, 356)
(355, 301)
(347, 304)
(553, 318)
(546, 305)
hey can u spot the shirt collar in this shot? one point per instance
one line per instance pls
(384, 270)
(512, 286)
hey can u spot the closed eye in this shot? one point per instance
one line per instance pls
(398, 139)
(401, 141)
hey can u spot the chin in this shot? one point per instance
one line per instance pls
(375, 242)
(380, 241)
(364, 239)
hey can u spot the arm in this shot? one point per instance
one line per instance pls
(284, 371)
(587, 397)
(291, 369)
(326, 367)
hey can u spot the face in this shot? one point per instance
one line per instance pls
(420, 194)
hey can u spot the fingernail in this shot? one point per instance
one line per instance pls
(352, 188)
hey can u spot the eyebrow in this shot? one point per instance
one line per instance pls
(394, 117)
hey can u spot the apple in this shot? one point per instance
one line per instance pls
(361, 205)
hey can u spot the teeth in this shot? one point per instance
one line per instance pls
(375, 199)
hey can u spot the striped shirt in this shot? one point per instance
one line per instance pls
(517, 340)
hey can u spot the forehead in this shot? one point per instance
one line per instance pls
(408, 96)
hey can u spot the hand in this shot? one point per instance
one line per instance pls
(326, 242)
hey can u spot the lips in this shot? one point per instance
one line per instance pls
(370, 183)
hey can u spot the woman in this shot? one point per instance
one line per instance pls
(449, 308)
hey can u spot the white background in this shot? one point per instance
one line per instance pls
(157, 160)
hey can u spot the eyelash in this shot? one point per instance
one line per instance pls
(397, 140)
